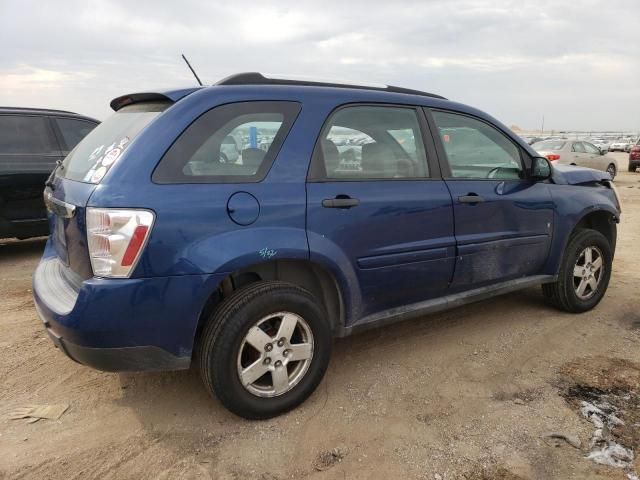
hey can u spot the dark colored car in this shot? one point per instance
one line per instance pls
(32, 140)
(350, 207)
(634, 157)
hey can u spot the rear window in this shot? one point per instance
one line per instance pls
(93, 157)
(548, 145)
(202, 155)
(26, 135)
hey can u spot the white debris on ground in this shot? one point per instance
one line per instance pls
(604, 450)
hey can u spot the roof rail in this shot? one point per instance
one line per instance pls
(256, 78)
(33, 109)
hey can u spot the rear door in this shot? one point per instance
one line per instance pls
(503, 221)
(28, 154)
(375, 200)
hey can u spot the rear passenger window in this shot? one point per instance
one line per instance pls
(369, 143)
(73, 130)
(26, 135)
(476, 150)
(231, 143)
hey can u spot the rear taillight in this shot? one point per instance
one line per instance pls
(553, 157)
(116, 238)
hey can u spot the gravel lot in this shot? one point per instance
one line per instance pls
(472, 393)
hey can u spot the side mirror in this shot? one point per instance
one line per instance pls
(540, 169)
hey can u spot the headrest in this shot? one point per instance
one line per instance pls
(331, 156)
(378, 160)
(252, 157)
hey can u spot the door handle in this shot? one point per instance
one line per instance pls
(471, 198)
(340, 202)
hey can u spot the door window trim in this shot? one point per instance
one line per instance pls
(525, 159)
(317, 174)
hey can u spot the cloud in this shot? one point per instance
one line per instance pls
(573, 61)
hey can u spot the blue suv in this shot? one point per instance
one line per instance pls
(347, 207)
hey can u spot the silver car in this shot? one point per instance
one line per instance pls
(576, 152)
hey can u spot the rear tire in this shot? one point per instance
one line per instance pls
(579, 271)
(611, 170)
(249, 357)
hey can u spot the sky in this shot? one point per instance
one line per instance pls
(575, 62)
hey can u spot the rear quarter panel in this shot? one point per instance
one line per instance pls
(193, 232)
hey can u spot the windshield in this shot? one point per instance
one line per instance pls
(93, 157)
(548, 145)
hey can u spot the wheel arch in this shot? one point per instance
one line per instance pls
(603, 221)
(600, 218)
(312, 276)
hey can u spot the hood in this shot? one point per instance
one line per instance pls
(573, 175)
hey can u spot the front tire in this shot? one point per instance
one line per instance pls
(265, 349)
(584, 274)
(611, 170)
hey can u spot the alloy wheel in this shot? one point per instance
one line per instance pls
(275, 354)
(587, 272)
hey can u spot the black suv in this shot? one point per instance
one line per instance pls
(32, 140)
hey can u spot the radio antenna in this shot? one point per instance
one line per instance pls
(192, 70)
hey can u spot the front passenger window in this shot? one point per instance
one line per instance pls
(371, 142)
(591, 148)
(477, 150)
(578, 148)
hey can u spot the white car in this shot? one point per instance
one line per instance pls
(576, 152)
(620, 145)
(603, 145)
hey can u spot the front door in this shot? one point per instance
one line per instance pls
(503, 220)
(579, 155)
(376, 205)
(594, 155)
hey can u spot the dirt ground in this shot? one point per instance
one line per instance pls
(468, 394)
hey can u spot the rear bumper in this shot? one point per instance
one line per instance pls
(123, 359)
(121, 324)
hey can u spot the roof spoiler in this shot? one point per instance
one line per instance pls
(129, 99)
